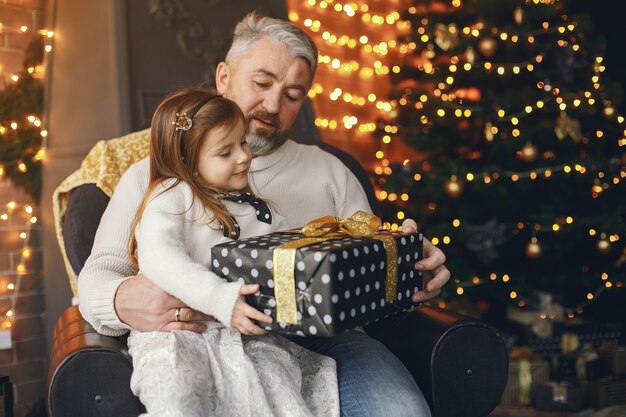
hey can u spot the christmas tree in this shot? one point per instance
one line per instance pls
(522, 168)
(21, 130)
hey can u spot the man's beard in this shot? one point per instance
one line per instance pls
(262, 141)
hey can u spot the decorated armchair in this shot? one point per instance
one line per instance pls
(459, 363)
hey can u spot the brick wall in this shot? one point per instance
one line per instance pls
(13, 15)
(21, 291)
(25, 361)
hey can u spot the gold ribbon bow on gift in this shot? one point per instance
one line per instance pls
(360, 224)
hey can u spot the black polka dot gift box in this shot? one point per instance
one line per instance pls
(326, 282)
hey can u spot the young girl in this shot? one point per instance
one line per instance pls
(199, 164)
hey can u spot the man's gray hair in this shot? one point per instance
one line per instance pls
(255, 26)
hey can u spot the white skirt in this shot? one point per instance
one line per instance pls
(221, 373)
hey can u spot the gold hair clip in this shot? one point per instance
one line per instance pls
(182, 122)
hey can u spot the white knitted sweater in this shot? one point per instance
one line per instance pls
(300, 182)
(174, 238)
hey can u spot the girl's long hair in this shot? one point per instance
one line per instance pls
(169, 158)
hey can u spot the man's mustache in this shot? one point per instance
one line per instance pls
(264, 116)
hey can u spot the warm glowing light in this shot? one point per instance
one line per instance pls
(41, 153)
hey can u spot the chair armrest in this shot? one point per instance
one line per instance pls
(89, 373)
(459, 363)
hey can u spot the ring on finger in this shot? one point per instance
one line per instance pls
(177, 314)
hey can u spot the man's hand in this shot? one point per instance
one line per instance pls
(434, 271)
(145, 307)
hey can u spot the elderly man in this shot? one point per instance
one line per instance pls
(267, 72)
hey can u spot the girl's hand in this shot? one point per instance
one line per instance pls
(243, 314)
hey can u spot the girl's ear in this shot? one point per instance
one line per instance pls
(222, 77)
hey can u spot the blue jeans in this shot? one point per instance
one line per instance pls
(372, 381)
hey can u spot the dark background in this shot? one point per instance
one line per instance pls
(609, 23)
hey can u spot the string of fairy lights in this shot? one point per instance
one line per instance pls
(390, 54)
(446, 99)
(16, 217)
(37, 71)
(19, 258)
(529, 152)
(368, 62)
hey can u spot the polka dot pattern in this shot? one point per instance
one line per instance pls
(339, 283)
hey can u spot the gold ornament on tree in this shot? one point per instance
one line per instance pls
(470, 55)
(453, 187)
(489, 132)
(446, 36)
(609, 111)
(566, 126)
(533, 249)
(603, 244)
(518, 15)
(487, 47)
(528, 153)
